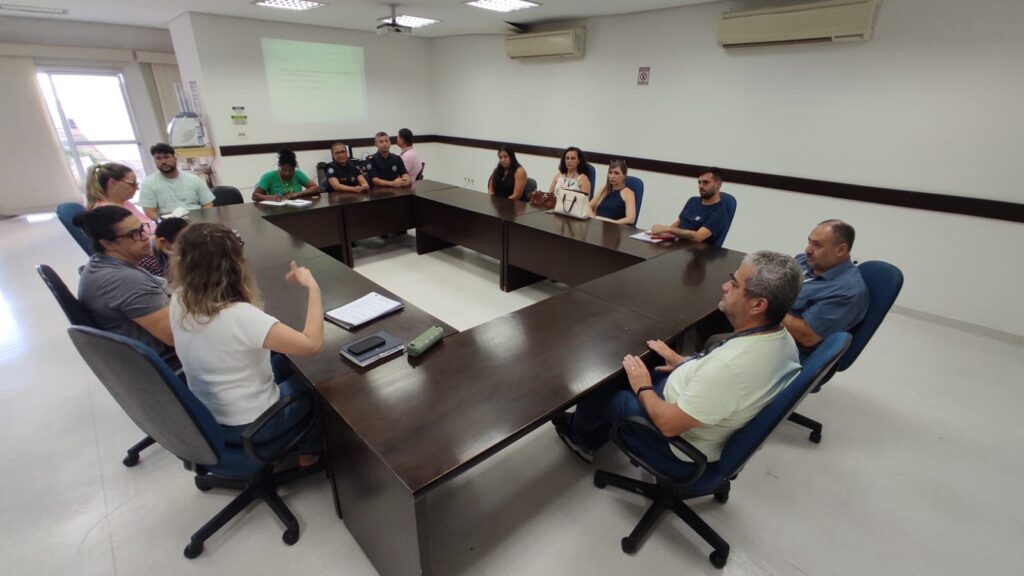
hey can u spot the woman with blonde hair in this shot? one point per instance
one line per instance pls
(616, 202)
(113, 184)
(224, 340)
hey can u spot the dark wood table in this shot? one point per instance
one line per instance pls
(542, 245)
(404, 428)
(401, 429)
(459, 216)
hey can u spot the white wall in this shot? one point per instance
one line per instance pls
(930, 104)
(225, 56)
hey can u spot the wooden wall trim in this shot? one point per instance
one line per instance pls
(947, 203)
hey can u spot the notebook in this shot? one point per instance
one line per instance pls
(297, 202)
(361, 311)
(382, 345)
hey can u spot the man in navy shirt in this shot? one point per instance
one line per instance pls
(703, 217)
(342, 175)
(385, 168)
(834, 297)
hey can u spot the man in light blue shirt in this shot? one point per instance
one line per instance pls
(834, 297)
(169, 189)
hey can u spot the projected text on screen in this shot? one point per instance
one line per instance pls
(313, 83)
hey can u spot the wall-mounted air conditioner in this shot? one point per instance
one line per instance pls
(834, 21)
(554, 44)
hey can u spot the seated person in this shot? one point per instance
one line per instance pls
(704, 216)
(114, 184)
(385, 168)
(342, 175)
(508, 179)
(224, 340)
(834, 297)
(164, 236)
(122, 297)
(410, 156)
(615, 202)
(286, 182)
(572, 172)
(705, 398)
(169, 189)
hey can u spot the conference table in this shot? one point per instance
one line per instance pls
(397, 431)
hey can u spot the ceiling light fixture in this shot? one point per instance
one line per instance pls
(502, 5)
(410, 21)
(289, 4)
(32, 9)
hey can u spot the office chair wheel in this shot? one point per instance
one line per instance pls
(290, 536)
(599, 481)
(722, 497)
(130, 459)
(193, 549)
(629, 545)
(201, 486)
(815, 437)
(718, 559)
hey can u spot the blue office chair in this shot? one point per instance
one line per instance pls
(637, 186)
(709, 478)
(226, 196)
(592, 174)
(729, 202)
(884, 282)
(66, 213)
(78, 316)
(161, 404)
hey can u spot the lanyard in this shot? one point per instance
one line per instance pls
(748, 332)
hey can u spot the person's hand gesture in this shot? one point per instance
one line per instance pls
(301, 275)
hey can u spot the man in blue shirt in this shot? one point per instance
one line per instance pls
(834, 297)
(703, 217)
(385, 168)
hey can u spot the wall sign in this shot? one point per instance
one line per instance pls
(643, 78)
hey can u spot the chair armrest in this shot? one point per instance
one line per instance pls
(253, 429)
(641, 427)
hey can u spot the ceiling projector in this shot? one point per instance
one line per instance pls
(393, 29)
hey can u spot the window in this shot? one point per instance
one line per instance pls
(90, 112)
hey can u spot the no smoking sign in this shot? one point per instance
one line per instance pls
(643, 78)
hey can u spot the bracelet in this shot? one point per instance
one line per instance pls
(643, 389)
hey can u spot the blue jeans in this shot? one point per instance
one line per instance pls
(289, 383)
(596, 413)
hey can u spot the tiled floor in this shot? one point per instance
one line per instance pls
(919, 471)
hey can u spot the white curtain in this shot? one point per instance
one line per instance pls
(31, 157)
(166, 76)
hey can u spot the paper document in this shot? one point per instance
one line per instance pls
(363, 310)
(296, 202)
(274, 202)
(646, 237)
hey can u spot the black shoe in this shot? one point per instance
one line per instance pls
(563, 425)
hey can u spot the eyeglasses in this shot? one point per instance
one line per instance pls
(135, 234)
(132, 183)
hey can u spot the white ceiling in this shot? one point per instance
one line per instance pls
(456, 17)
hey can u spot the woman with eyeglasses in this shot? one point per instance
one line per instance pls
(224, 339)
(114, 184)
(119, 295)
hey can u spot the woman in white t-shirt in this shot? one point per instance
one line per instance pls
(226, 339)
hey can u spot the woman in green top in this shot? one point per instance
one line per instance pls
(286, 182)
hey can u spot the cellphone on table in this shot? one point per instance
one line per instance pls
(365, 345)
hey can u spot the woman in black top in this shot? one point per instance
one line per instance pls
(509, 177)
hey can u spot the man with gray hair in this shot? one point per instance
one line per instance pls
(706, 397)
